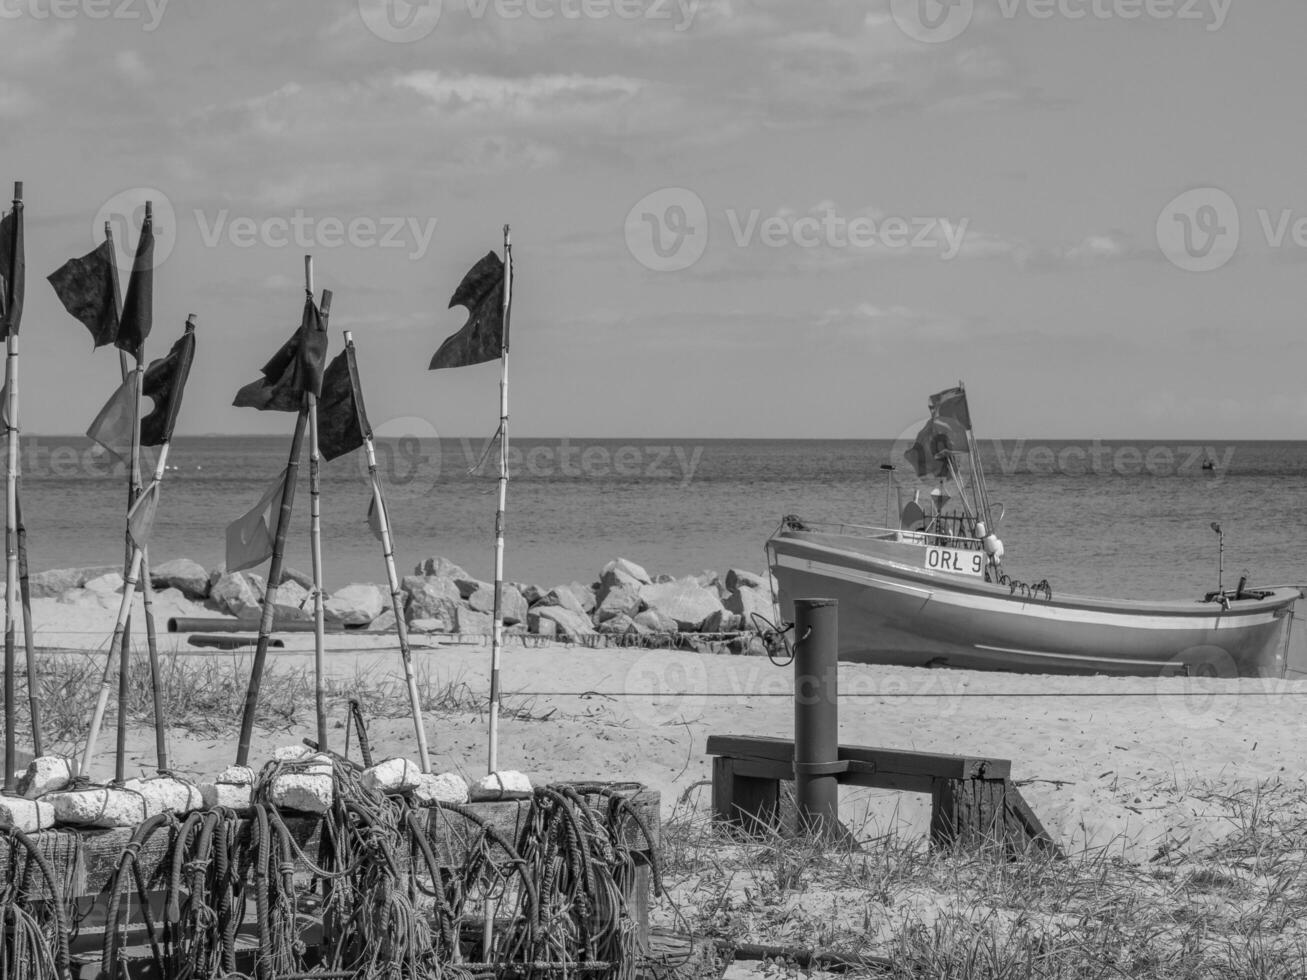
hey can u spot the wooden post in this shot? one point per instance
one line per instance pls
(497, 626)
(816, 714)
(11, 513)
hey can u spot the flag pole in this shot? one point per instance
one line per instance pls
(497, 626)
(11, 517)
(274, 573)
(147, 586)
(120, 626)
(315, 547)
(388, 552)
(29, 638)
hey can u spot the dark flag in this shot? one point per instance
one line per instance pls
(112, 427)
(484, 337)
(88, 288)
(951, 404)
(138, 304)
(929, 454)
(165, 382)
(250, 537)
(293, 370)
(342, 420)
(12, 270)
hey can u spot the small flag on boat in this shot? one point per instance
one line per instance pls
(485, 335)
(88, 289)
(165, 382)
(250, 536)
(12, 271)
(295, 369)
(951, 404)
(112, 428)
(342, 420)
(138, 305)
(929, 454)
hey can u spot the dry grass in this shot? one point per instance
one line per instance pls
(1236, 909)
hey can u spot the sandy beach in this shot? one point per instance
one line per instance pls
(1122, 764)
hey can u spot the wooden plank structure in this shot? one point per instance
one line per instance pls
(84, 863)
(973, 800)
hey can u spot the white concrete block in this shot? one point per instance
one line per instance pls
(392, 776)
(238, 796)
(237, 775)
(166, 793)
(98, 807)
(29, 816)
(447, 787)
(308, 792)
(291, 753)
(45, 774)
(507, 784)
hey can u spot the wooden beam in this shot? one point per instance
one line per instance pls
(934, 765)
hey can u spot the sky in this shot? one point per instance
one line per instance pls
(730, 218)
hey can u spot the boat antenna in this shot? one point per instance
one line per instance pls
(1220, 557)
(889, 489)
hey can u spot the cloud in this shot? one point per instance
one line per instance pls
(532, 98)
(132, 67)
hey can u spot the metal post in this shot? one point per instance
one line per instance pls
(816, 714)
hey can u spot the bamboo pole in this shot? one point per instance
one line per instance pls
(125, 651)
(29, 638)
(392, 574)
(274, 574)
(497, 626)
(11, 532)
(315, 547)
(120, 625)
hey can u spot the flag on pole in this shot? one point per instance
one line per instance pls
(12, 272)
(951, 404)
(250, 537)
(374, 518)
(112, 428)
(342, 420)
(293, 370)
(165, 382)
(88, 289)
(140, 518)
(138, 304)
(929, 453)
(485, 335)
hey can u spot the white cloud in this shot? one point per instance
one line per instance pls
(132, 67)
(527, 97)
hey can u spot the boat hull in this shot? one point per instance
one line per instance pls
(892, 612)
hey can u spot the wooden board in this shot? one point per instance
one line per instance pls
(932, 765)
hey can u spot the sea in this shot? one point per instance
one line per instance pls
(1097, 517)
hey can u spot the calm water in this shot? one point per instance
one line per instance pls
(1114, 518)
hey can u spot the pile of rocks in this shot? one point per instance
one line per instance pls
(440, 597)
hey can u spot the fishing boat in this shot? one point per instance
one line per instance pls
(934, 590)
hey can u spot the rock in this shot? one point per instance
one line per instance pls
(737, 578)
(472, 623)
(568, 623)
(722, 621)
(467, 585)
(54, 583)
(746, 601)
(99, 807)
(302, 579)
(432, 597)
(385, 623)
(447, 787)
(392, 776)
(482, 598)
(164, 793)
(429, 626)
(238, 594)
(585, 595)
(531, 593)
(620, 566)
(356, 604)
(541, 625)
(190, 577)
(653, 621)
(506, 784)
(562, 596)
(440, 567)
(664, 578)
(29, 816)
(109, 582)
(45, 774)
(237, 775)
(294, 602)
(514, 606)
(619, 625)
(620, 601)
(685, 601)
(708, 579)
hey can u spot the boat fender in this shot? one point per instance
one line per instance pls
(981, 530)
(993, 547)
